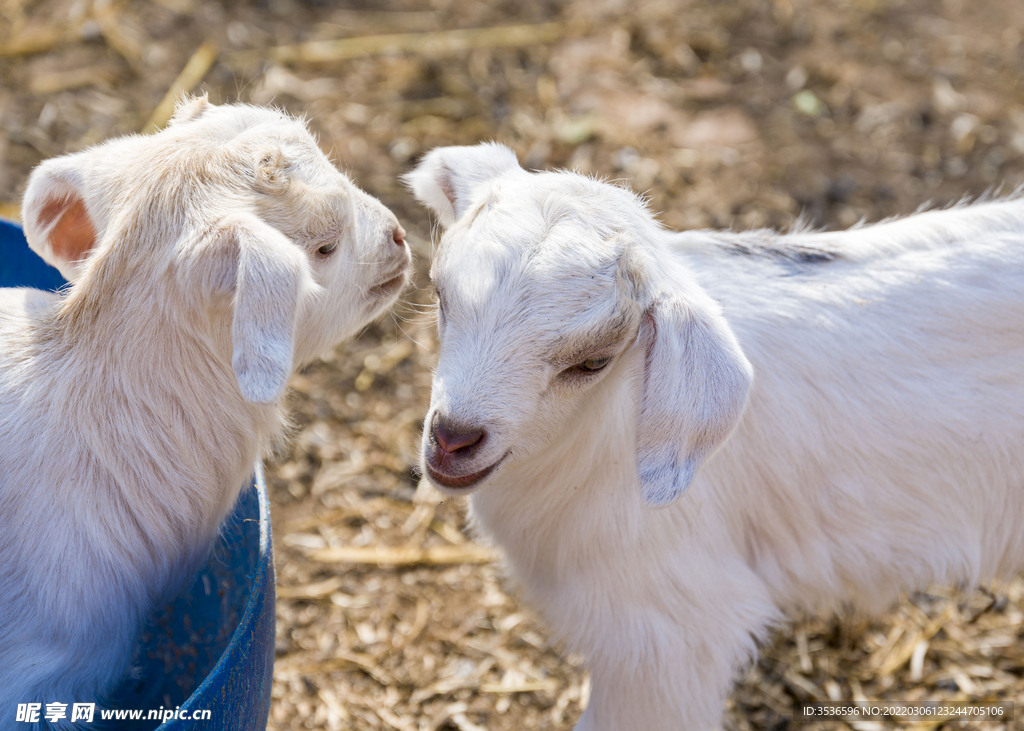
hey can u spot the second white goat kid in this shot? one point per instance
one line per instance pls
(207, 262)
(845, 411)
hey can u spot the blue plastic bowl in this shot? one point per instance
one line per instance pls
(212, 648)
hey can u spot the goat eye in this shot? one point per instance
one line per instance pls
(592, 365)
(327, 248)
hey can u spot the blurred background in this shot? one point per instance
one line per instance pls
(738, 114)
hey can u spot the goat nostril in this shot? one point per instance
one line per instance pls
(398, 235)
(452, 438)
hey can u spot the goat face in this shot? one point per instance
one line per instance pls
(550, 285)
(231, 210)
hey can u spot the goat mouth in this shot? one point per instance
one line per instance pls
(389, 286)
(462, 482)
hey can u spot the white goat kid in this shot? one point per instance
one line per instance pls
(207, 262)
(592, 363)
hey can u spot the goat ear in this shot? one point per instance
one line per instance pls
(696, 382)
(58, 223)
(189, 108)
(447, 178)
(271, 277)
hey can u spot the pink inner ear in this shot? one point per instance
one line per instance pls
(444, 180)
(73, 235)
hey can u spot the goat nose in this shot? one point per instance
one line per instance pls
(398, 235)
(452, 437)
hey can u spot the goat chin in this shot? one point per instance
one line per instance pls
(207, 262)
(875, 450)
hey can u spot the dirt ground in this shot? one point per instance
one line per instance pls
(737, 114)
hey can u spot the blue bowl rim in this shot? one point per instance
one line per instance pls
(249, 616)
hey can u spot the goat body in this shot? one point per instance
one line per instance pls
(207, 262)
(879, 450)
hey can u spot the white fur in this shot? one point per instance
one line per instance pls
(134, 405)
(880, 448)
